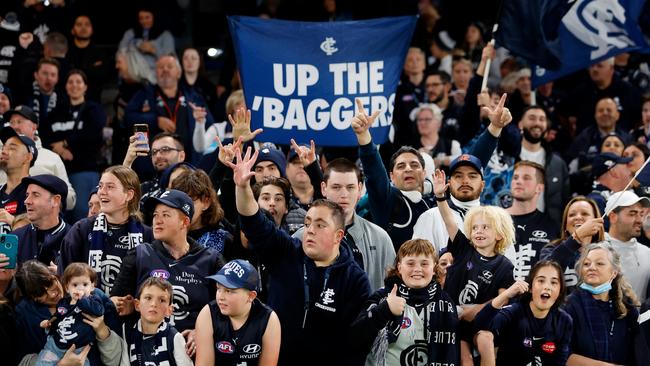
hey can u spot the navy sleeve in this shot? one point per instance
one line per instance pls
(500, 322)
(564, 253)
(380, 193)
(484, 147)
(74, 247)
(460, 246)
(126, 282)
(134, 114)
(564, 346)
(92, 305)
(265, 239)
(484, 317)
(315, 174)
(372, 318)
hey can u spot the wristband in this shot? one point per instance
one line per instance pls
(441, 199)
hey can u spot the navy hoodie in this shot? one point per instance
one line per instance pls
(46, 251)
(316, 333)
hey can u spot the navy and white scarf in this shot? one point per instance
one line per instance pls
(51, 104)
(151, 349)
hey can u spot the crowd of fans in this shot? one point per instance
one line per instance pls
(496, 226)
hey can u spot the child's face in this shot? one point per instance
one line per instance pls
(154, 304)
(545, 288)
(416, 270)
(79, 286)
(233, 302)
(445, 261)
(483, 235)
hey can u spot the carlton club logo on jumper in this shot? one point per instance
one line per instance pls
(328, 46)
(599, 24)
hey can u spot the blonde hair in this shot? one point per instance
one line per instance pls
(499, 219)
(235, 98)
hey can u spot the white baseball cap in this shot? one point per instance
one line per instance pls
(625, 199)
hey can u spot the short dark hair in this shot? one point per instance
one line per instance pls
(539, 169)
(48, 61)
(177, 139)
(161, 283)
(78, 269)
(443, 75)
(337, 211)
(531, 107)
(404, 150)
(77, 72)
(281, 183)
(34, 278)
(57, 42)
(527, 296)
(342, 165)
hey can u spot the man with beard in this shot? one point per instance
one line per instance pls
(533, 228)
(83, 54)
(524, 142)
(438, 85)
(626, 212)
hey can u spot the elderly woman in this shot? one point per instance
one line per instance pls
(603, 309)
(581, 226)
(428, 118)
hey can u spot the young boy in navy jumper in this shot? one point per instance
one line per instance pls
(153, 341)
(67, 327)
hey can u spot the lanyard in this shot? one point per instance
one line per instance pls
(306, 288)
(171, 115)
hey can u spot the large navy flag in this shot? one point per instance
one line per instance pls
(594, 30)
(300, 79)
(529, 29)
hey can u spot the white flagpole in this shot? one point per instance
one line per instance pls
(628, 185)
(488, 62)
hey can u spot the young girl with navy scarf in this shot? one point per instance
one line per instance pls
(531, 331)
(410, 312)
(103, 240)
(604, 310)
(480, 270)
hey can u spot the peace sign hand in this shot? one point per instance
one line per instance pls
(499, 116)
(227, 152)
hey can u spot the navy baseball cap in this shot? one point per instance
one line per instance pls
(237, 273)
(468, 160)
(606, 161)
(7, 132)
(23, 111)
(51, 183)
(172, 198)
(273, 155)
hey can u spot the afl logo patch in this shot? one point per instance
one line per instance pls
(225, 347)
(159, 273)
(61, 310)
(406, 323)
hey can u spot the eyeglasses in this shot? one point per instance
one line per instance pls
(163, 150)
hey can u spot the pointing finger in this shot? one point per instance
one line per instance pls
(360, 108)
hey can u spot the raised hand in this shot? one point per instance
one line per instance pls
(517, 288)
(588, 229)
(199, 113)
(361, 123)
(499, 116)
(306, 155)
(227, 152)
(241, 125)
(440, 184)
(242, 173)
(166, 124)
(396, 304)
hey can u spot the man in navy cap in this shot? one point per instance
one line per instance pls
(270, 162)
(18, 155)
(45, 201)
(611, 174)
(25, 122)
